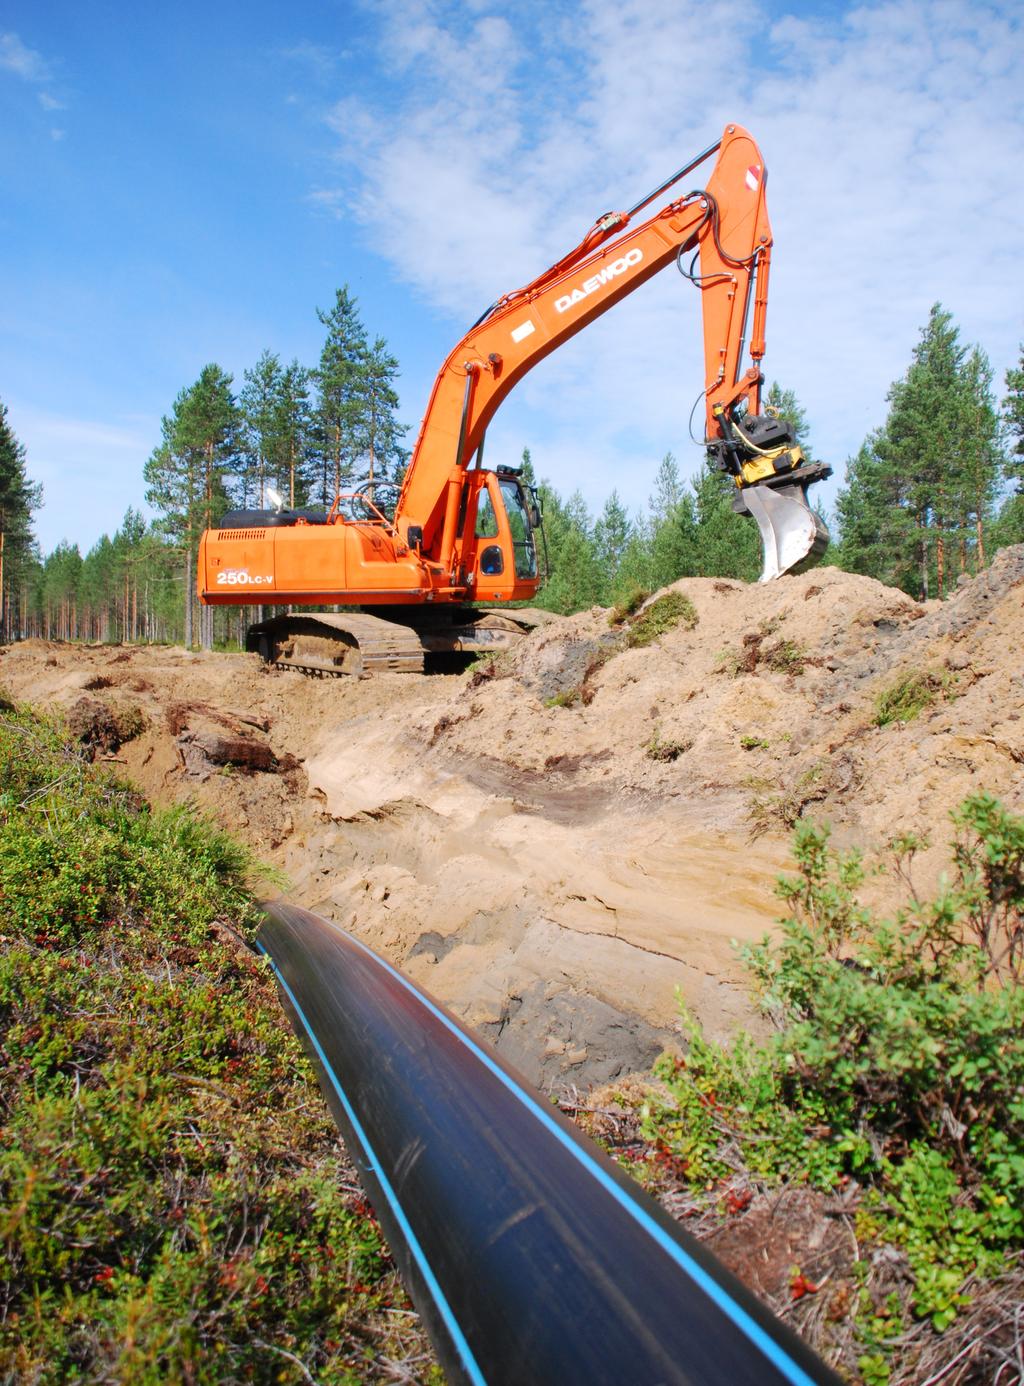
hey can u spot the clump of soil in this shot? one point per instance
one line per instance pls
(103, 727)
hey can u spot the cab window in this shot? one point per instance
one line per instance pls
(486, 520)
(523, 545)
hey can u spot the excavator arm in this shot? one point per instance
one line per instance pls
(726, 222)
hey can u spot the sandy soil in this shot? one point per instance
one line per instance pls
(555, 866)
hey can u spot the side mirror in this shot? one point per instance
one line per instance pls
(275, 498)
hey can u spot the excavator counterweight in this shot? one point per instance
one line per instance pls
(462, 536)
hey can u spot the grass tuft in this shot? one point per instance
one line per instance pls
(908, 697)
(664, 614)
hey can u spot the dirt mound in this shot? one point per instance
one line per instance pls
(557, 841)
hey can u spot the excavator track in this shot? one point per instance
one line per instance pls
(355, 643)
(326, 645)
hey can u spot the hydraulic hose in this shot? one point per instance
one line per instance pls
(530, 1256)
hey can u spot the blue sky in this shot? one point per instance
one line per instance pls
(188, 183)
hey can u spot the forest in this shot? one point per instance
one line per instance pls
(930, 495)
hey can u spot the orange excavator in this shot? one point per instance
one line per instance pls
(461, 536)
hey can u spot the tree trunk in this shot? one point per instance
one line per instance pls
(924, 563)
(188, 599)
(940, 562)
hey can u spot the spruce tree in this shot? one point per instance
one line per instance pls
(674, 543)
(922, 489)
(876, 531)
(981, 457)
(727, 544)
(611, 537)
(1013, 419)
(575, 580)
(668, 490)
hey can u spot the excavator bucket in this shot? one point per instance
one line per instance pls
(792, 536)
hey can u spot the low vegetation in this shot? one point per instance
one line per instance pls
(781, 656)
(909, 696)
(174, 1201)
(659, 617)
(895, 1085)
(661, 747)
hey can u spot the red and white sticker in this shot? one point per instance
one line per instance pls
(753, 177)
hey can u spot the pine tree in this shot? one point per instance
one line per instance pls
(18, 498)
(1013, 419)
(294, 433)
(186, 474)
(62, 570)
(338, 379)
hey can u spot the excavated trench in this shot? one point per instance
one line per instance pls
(554, 867)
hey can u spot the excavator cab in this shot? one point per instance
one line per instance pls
(504, 544)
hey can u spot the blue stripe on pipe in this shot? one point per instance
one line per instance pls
(716, 1292)
(444, 1308)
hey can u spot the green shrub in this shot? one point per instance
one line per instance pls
(898, 1061)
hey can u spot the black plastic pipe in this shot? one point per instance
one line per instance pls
(530, 1256)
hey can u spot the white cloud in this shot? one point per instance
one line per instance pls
(24, 62)
(50, 103)
(82, 464)
(316, 59)
(891, 131)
